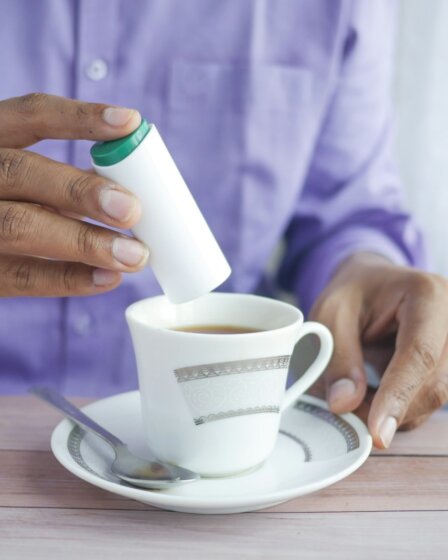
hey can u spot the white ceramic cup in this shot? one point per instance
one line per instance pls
(212, 402)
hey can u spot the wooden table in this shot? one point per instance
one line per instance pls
(395, 506)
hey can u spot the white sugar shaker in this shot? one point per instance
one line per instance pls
(184, 255)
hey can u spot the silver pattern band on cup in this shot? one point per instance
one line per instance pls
(239, 412)
(205, 371)
(208, 372)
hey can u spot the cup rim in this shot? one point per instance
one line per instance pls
(298, 320)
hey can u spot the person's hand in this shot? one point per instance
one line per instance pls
(44, 249)
(397, 319)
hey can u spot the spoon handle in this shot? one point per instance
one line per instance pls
(59, 402)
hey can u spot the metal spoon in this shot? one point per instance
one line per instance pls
(127, 466)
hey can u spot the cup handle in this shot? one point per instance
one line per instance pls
(316, 368)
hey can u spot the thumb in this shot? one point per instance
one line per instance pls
(345, 377)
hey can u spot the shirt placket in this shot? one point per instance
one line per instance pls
(96, 38)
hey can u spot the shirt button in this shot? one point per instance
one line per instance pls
(82, 324)
(97, 69)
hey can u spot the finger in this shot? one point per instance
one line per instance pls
(432, 396)
(25, 176)
(345, 378)
(434, 392)
(422, 326)
(30, 118)
(73, 215)
(27, 276)
(28, 229)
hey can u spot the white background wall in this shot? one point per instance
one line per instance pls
(421, 99)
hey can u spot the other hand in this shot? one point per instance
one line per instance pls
(396, 318)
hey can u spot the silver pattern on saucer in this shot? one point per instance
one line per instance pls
(337, 425)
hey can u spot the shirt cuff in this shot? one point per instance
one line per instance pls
(319, 266)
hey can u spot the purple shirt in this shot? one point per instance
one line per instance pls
(278, 116)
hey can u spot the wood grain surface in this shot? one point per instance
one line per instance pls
(394, 506)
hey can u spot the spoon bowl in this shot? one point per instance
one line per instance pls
(149, 474)
(138, 471)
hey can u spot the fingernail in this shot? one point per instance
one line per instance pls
(118, 116)
(387, 430)
(102, 277)
(341, 390)
(129, 251)
(118, 205)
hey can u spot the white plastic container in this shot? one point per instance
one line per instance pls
(184, 255)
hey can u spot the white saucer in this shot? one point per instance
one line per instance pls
(315, 448)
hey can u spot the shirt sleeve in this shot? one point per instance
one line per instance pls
(352, 199)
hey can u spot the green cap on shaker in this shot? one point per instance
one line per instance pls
(113, 151)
